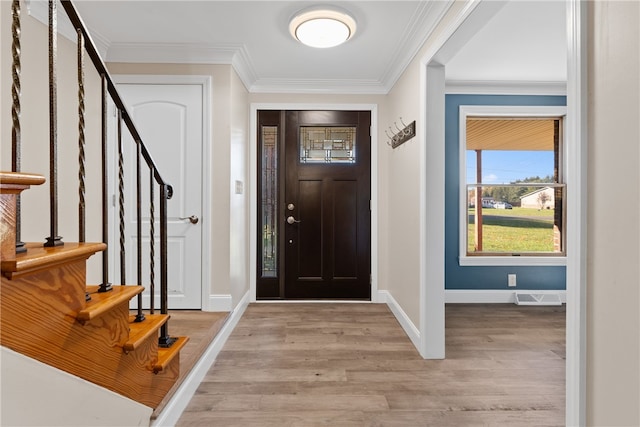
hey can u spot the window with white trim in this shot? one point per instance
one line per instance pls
(512, 195)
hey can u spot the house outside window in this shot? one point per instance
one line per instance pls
(543, 198)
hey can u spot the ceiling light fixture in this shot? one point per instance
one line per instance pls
(322, 27)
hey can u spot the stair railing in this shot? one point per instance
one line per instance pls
(16, 90)
(86, 45)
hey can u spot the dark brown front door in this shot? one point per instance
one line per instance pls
(324, 211)
(327, 193)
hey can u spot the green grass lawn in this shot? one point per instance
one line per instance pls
(517, 212)
(514, 230)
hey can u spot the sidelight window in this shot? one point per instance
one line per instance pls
(269, 192)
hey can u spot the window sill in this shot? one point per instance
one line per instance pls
(512, 260)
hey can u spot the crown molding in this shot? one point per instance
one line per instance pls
(186, 53)
(319, 86)
(39, 10)
(497, 87)
(102, 43)
(243, 65)
(238, 57)
(163, 53)
(425, 20)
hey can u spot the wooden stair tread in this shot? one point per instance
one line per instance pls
(38, 257)
(166, 355)
(102, 302)
(140, 331)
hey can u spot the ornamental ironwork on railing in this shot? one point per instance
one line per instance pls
(143, 160)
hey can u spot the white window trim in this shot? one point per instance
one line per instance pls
(499, 111)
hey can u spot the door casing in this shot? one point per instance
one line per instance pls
(373, 108)
(206, 83)
(324, 256)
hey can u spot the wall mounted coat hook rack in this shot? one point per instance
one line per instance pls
(402, 135)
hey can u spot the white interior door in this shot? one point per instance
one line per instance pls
(170, 121)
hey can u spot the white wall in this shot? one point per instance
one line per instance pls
(403, 195)
(35, 394)
(239, 204)
(613, 223)
(405, 166)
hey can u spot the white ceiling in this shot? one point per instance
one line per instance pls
(524, 41)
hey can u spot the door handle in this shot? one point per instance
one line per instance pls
(292, 220)
(192, 219)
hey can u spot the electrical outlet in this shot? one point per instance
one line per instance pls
(512, 280)
(239, 187)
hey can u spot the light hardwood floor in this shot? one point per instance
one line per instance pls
(201, 327)
(352, 365)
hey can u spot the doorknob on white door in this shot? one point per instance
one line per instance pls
(192, 219)
(292, 220)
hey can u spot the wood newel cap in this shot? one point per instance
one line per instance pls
(13, 181)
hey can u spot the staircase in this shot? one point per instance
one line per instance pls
(48, 312)
(45, 315)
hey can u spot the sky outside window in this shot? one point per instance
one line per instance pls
(505, 167)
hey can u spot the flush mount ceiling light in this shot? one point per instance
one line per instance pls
(322, 27)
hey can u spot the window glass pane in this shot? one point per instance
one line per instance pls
(514, 219)
(514, 194)
(269, 191)
(320, 144)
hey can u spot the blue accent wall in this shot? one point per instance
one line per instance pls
(485, 277)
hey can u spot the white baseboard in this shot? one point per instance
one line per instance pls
(310, 301)
(492, 296)
(172, 412)
(220, 303)
(409, 328)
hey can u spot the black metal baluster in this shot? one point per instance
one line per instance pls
(16, 92)
(81, 142)
(123, 259)
(165, 194)
(152, 243)
(53, 239)
(140, 316)
(81, 145)
(105, 286)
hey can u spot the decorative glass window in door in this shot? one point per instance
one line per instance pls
(321, 144)
(269, 181)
